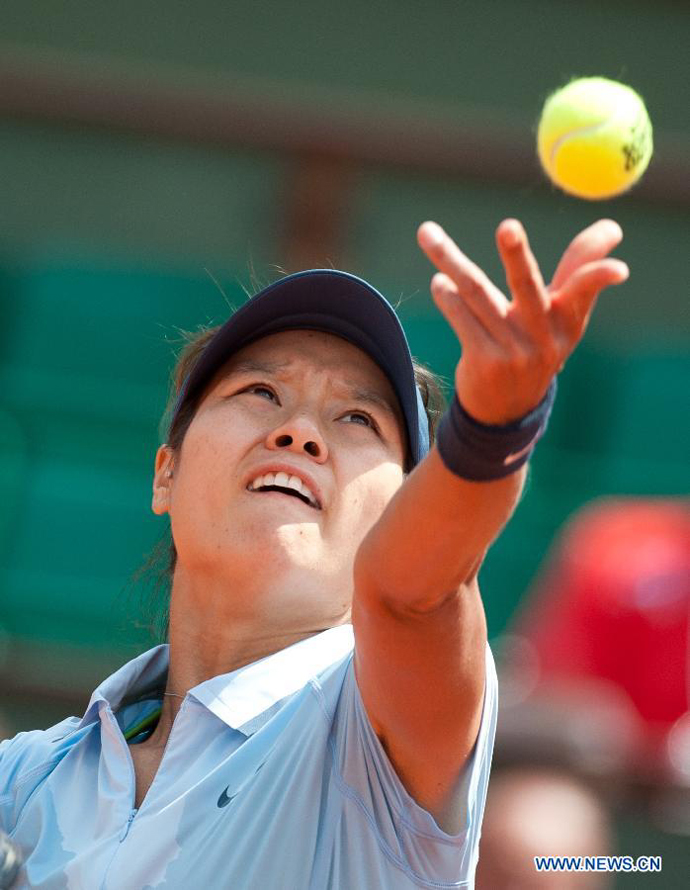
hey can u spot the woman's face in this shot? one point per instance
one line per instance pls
(309, 404)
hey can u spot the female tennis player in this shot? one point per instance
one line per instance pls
(323, 714)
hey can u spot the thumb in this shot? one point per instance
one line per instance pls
(572, 304)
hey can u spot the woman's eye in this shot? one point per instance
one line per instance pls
(259, 388)
(368, 419)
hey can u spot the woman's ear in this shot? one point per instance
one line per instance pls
(162, 480)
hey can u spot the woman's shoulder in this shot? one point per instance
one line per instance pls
(28, 751)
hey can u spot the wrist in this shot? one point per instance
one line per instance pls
(481, 452)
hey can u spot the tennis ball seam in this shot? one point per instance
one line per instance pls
(578, 131)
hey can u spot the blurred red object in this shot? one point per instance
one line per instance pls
(607, 629)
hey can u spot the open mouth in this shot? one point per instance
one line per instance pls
(285, 483)
(289, 491)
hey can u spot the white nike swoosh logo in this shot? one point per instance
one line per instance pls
(516, 455)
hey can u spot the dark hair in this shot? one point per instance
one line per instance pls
(159, 567)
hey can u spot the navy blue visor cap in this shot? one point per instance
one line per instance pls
(322, 300)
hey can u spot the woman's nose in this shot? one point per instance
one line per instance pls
(299, 434)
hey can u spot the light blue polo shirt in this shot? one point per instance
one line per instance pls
(272, 779)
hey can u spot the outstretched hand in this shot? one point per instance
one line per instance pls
(512, 348)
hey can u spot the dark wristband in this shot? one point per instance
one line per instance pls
(480, 451)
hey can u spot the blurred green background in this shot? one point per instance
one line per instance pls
(148, 151)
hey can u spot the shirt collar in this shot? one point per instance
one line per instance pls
(244, 698)
(247, 697)
(139, 678)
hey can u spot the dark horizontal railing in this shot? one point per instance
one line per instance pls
(304, 120)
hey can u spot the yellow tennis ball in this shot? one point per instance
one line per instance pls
(594, 137)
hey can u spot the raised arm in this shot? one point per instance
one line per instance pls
(418, 618)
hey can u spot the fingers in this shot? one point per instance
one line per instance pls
(522, 271)
(573, 304)
(593, 243)
(466, 325)
(552, 318)
(477, 291)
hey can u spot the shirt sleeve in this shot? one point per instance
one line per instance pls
(404, 829)
(25, 761)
